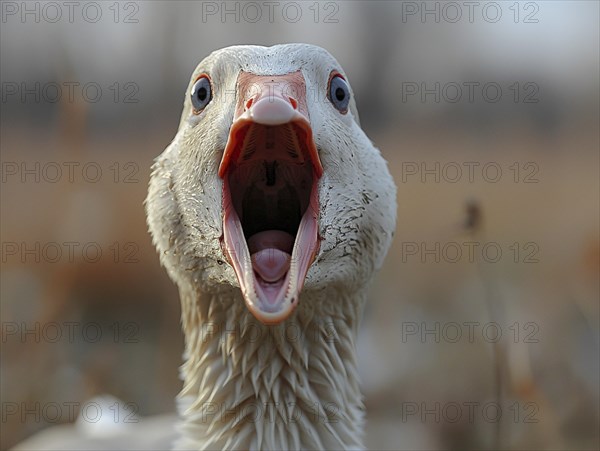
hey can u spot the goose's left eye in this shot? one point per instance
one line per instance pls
(201, 94)
(339, 93)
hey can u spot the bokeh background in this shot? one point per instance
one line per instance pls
(515, 335)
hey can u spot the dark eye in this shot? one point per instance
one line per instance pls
(339, 93)
(201, 93)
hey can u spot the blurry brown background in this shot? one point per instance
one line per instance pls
(427, 347)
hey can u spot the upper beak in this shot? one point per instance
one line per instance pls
(269, 100)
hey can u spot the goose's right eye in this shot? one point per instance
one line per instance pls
(201, 94)
(339, 93)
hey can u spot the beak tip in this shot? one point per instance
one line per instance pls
(272, 111)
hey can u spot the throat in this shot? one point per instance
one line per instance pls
(251, 386)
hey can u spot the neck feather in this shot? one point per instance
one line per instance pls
(251, 386)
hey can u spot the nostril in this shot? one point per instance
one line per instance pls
(293, 102)
(249, 103)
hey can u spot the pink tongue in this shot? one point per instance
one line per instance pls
(270, 252)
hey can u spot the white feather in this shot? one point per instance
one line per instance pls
(308, 386)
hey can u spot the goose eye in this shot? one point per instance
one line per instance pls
(339, 93)
(201, 94)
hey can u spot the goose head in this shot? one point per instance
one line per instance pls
(270, 187)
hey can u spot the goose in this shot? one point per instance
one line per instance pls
(271, 210)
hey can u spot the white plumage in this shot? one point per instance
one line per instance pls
(292, 385)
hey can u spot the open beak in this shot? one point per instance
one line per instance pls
(270, 169)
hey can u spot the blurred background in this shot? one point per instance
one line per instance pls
(482, 330)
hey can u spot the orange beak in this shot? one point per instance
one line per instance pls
(270, 168)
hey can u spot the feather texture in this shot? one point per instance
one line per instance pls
(294, 385)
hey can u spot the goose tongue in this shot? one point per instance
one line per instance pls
(267, 256)
(271, 254)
